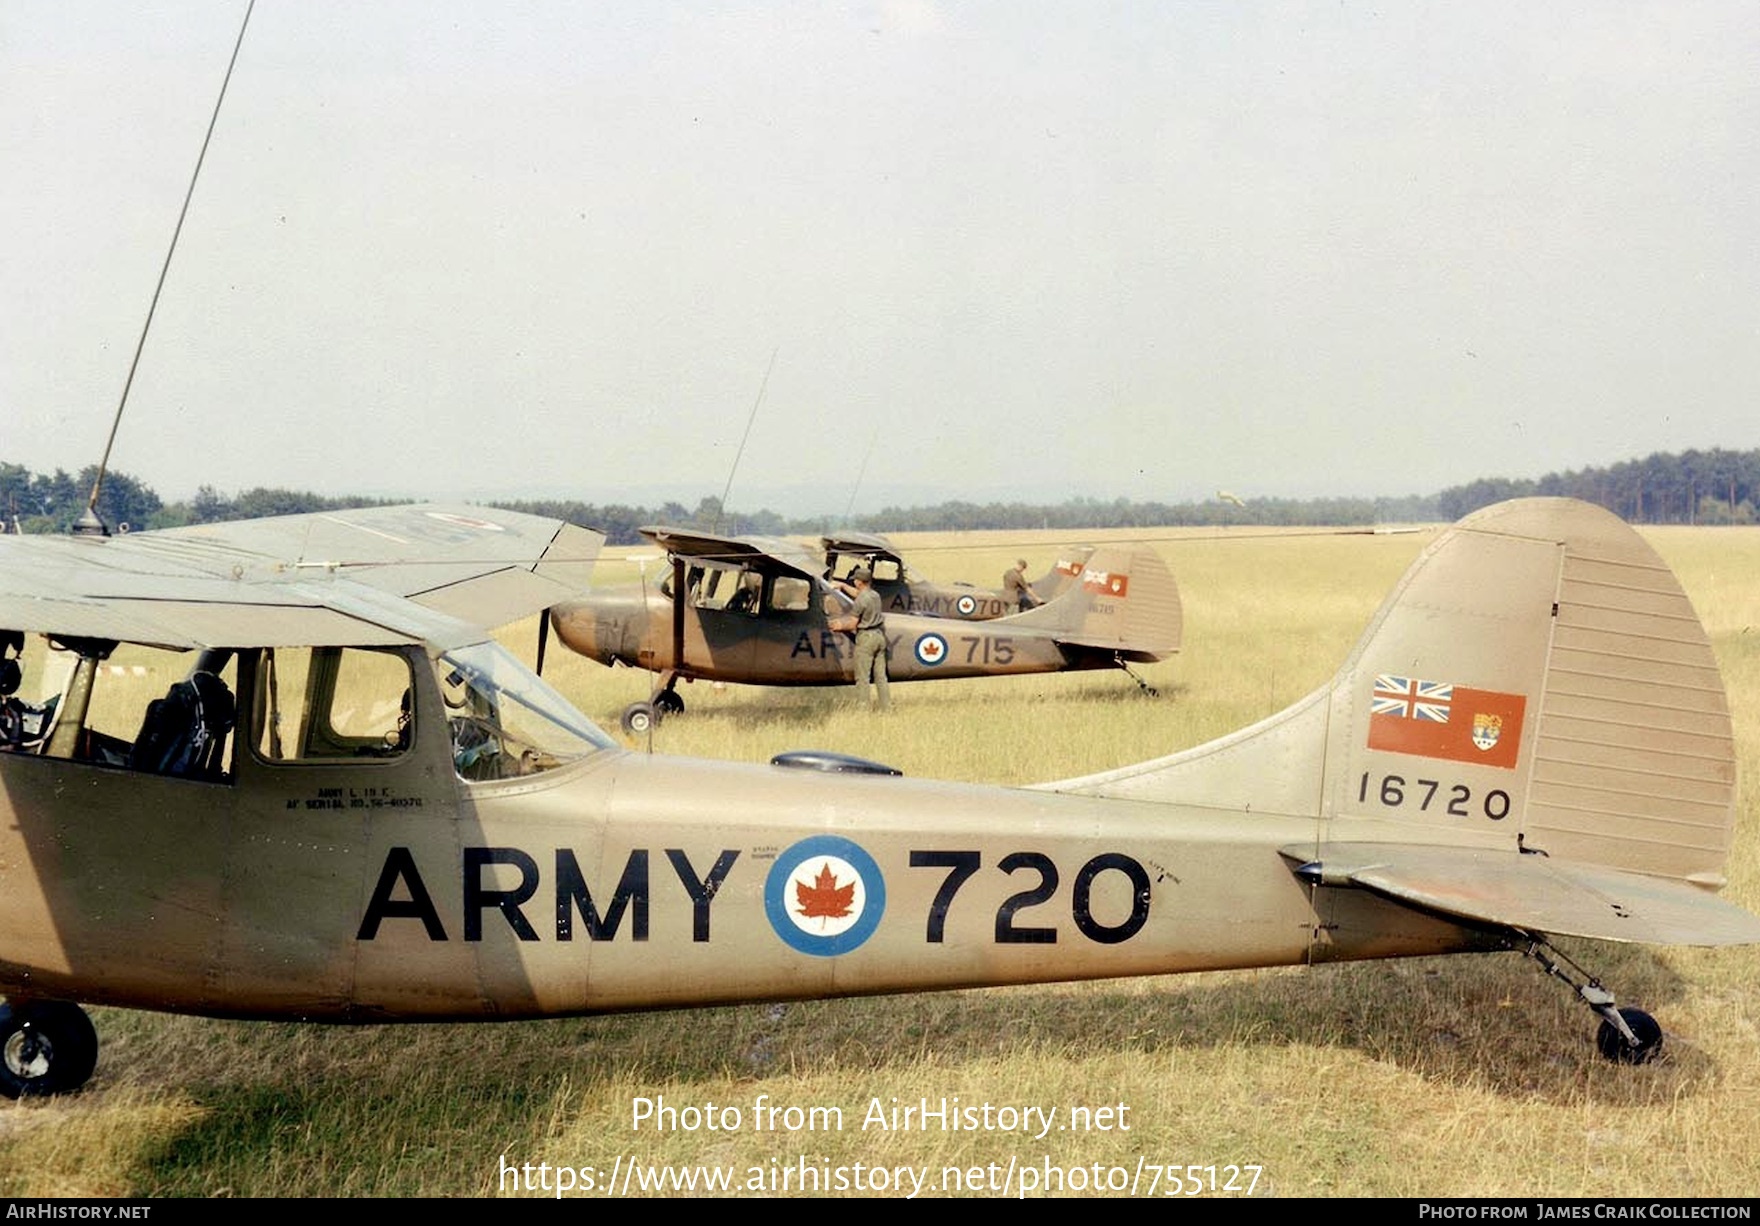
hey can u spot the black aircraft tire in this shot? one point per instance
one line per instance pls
(48, 1047)
(669, 702)
(638, 718)
(1613, 1046)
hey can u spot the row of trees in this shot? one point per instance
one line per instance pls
(50, 502)
(39, 502)
(1085, 513)
(1714, 487)
(1687, 487)
(1704, 487)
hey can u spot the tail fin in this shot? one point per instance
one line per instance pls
(1065, 573)
(1124, 603)
(1537, 681)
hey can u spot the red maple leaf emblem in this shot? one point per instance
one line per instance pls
(825, 899)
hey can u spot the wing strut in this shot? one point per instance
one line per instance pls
(678, 598)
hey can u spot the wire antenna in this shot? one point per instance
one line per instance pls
(750, 418)
(850, 507)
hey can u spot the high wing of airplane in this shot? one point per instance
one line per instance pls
(902, 590)
(298, 578)
(351, 806)
(758, 610)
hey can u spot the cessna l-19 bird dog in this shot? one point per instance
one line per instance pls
(757, 610)
(902, 590)
(361, 810)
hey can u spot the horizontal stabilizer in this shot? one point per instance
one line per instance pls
(1534, 893)
(1122, 601)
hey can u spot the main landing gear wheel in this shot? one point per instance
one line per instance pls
(639, 718)
(48, 1047)
(668, 702)
(1643, 1045)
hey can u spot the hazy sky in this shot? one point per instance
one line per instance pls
(1144, 250)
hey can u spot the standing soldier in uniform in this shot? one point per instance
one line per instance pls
(869, 625)
(1017, 590)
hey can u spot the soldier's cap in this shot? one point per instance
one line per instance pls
(861, 574)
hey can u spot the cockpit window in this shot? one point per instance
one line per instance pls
(333, 702)
(505, 721)
(790, 593)
(884, 568)
(126, 705)
(729, 588)
(33, 681)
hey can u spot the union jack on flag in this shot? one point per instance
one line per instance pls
(1411, 698)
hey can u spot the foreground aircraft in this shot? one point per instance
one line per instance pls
(392, 819)
(758, 610)
(903, 590)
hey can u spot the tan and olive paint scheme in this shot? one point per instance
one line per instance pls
(757, 610)
(903, 590)
(404, 823)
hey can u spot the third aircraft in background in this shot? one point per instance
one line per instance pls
(903, 590)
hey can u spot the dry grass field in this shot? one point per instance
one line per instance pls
(1447, 1077)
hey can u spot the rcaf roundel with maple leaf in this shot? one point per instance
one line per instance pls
(824, 896)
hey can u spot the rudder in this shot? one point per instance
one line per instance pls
(1124, 602)
(1537, 679)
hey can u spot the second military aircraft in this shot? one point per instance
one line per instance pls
(759, 610)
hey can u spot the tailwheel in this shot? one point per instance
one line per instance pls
(1626, 1035)
(1636, 1040)
(669, 702)
(1148, 689)
(639, 718)
(46, 1047)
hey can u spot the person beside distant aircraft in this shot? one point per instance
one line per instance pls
(1017, 591)
(869, 625)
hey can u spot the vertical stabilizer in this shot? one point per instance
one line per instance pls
(1537, 679)
(1123, 602)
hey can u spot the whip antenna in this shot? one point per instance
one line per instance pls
(90, 523)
